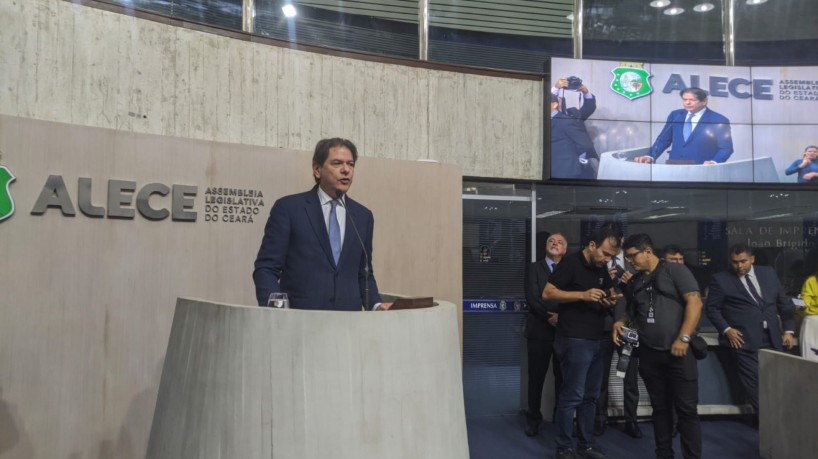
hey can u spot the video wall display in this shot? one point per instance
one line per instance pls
(632, 121)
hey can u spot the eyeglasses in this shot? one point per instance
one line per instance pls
(632, 255)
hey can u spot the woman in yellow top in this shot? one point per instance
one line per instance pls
(809, 326)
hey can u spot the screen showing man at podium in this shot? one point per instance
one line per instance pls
(735, 124)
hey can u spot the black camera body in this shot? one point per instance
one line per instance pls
(630, 340)
(629, 336)
(574, 83)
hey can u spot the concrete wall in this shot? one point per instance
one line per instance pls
(74, 64)
(86, 303)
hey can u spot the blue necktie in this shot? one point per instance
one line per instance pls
(688, 127)
(334, 232)
(753, 290)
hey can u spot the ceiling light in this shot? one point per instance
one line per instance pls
(771, 217)
(756, 2)
(655, 217)
(703, 7)
(289, 10)
(675, 11)
(551, 213)
(660, 3)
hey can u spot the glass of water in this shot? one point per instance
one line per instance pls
(278, 300)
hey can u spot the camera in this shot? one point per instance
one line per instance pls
(574, 83)
(630, 340)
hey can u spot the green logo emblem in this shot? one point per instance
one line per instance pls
(631, 82)
(6, 202)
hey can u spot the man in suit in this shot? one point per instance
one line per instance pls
(621, 272)
(696, 134)
(572, 151)
(540, 323)
(744, 305)
(310, 249)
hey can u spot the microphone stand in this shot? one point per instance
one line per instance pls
(339, 194)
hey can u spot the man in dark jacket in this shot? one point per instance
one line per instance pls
(540, 324)
(744, 305)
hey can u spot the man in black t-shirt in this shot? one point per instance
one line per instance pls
(584, 290)
(664, 306)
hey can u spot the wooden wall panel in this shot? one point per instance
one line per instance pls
(87, 303)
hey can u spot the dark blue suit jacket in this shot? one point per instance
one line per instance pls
(536, 322)
(710, 141)
(295, 256)
(569, 140)
(729, 304)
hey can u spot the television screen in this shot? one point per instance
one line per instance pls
(681, 123)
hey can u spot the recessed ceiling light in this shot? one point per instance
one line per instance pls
(289, 10)
(703, 7)
(675, 11)
(756, 2)
(660, 3)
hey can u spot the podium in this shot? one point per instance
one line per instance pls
(619, 165)
(787, 406)
(251, 382)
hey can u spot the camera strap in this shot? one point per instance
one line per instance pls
(651, 286)
(563, 107)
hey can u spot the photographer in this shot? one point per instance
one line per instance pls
(587, 100)
(664, 307)
(572, 151)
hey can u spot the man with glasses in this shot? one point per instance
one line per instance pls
(584, 290)
(664, 307)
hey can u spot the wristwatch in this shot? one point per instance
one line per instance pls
(685, 339)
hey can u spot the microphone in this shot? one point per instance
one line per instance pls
(338, 195)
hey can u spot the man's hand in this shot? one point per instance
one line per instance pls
(616, 332)
(788, 340)
(593, 295)
(384, 306)
(625, 277)
(611, 299)
(553, 318)
(735, 337)
(804, 162)
(562, 83)
(584, 89)
(707, 163)
(612, 271)
(679, 348)
(643, 159)
(810, 175)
